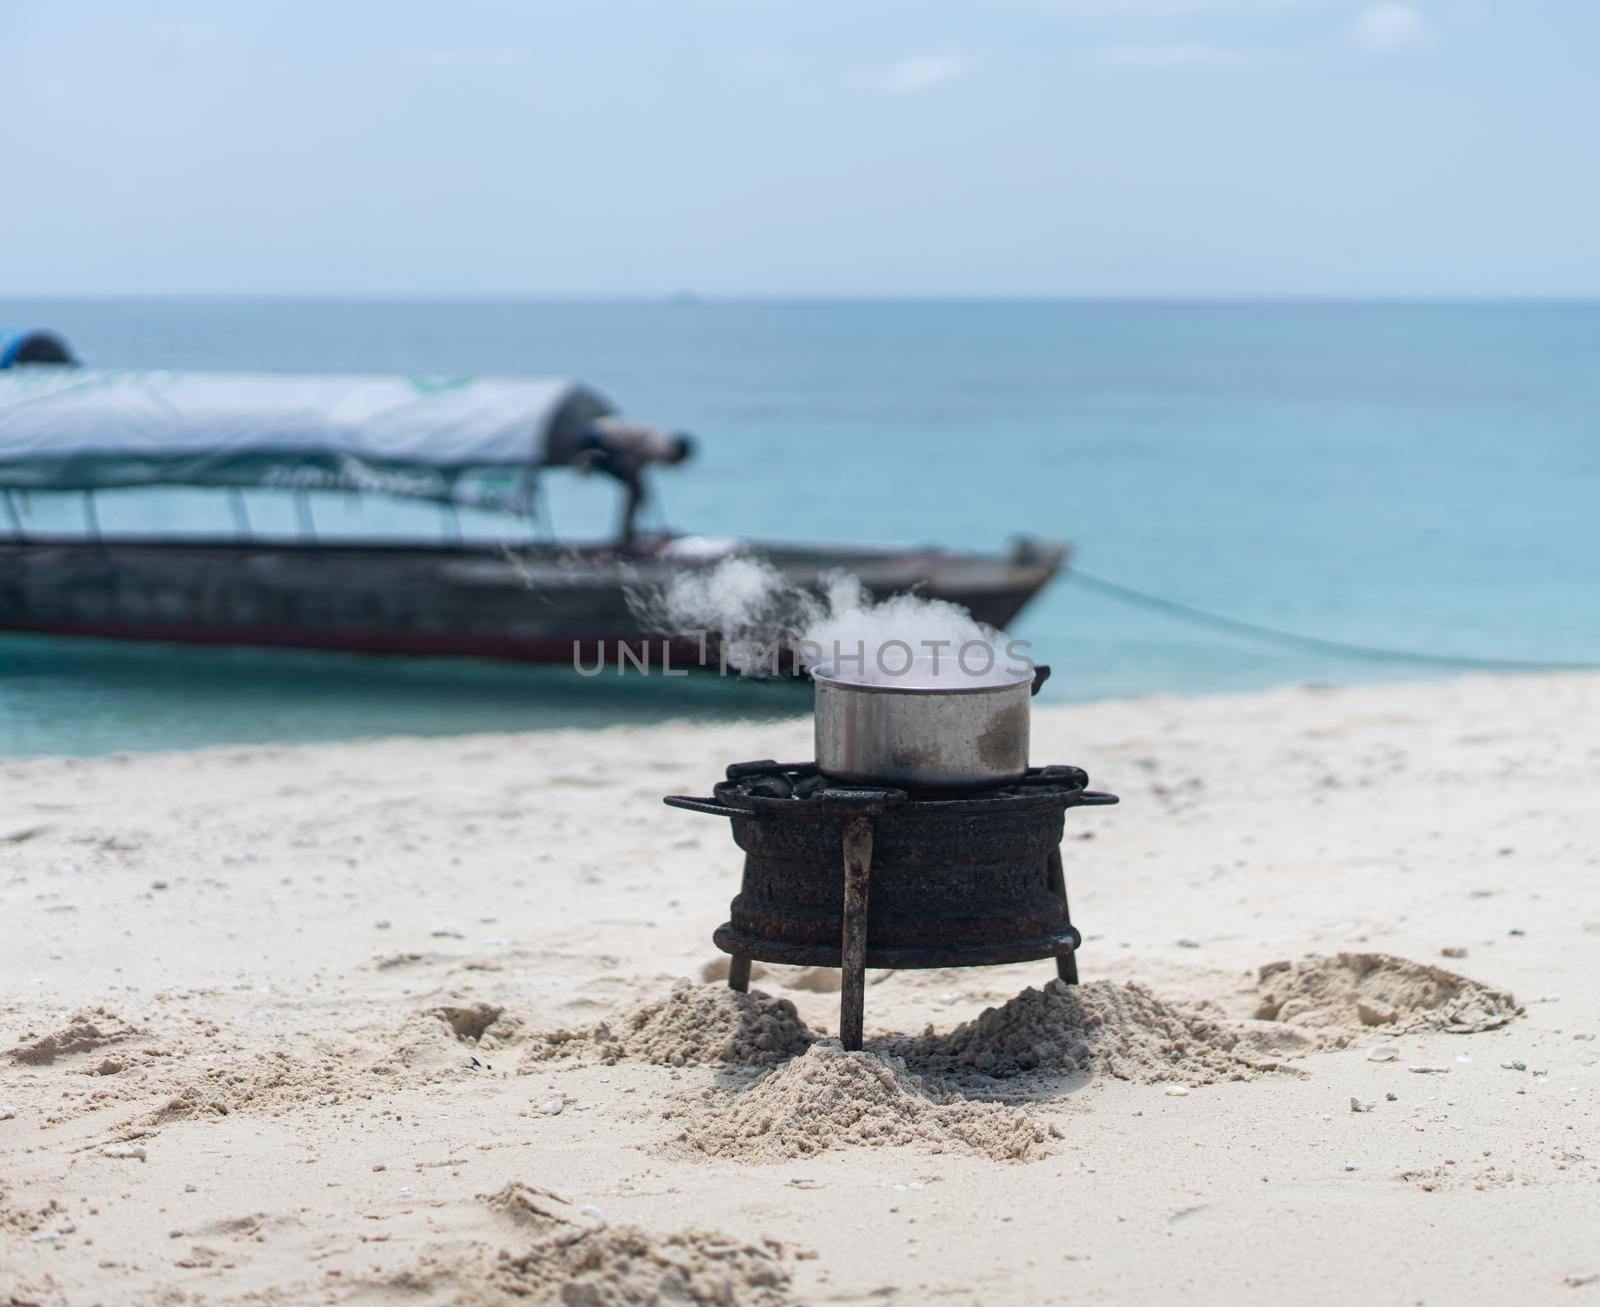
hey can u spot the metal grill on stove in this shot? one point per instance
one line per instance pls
(857, 876)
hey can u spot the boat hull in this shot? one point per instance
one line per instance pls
(545, 604)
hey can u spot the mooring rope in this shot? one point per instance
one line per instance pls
(1221, 622)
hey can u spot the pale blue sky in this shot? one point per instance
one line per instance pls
(894, 147)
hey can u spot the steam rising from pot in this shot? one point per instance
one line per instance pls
(905, 640)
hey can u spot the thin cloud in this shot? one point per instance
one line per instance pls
(1390, 28)
(464, 58)
(915, 73)
(1189, 56)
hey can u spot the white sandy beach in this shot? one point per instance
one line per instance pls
(273, 1027)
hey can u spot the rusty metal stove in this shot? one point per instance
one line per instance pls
(857, 876)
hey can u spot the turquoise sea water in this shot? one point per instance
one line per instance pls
(1415, 476)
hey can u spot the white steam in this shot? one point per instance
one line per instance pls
(746, 604)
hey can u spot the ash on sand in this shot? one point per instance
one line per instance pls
(1333, 995)
(578, 1260)
(828, 1098)
(1101, 1028)
(694, 1025)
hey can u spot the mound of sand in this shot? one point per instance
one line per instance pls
(828, 1098)
(1123, 1031)
(694, 1025)
(280, 1081)
(84, 1031)
(439, 1043)
(1374, 989)
(579, 1261)
(176, 1067)
(484, 1025)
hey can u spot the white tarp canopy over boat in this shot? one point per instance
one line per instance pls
(463, 440)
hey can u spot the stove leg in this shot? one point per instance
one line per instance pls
(739, 974)
(1056, 878)
(853, 950)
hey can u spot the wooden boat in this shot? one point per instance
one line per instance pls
(539, 604)
(462, 442)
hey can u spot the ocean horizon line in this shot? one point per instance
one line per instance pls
(691, 298)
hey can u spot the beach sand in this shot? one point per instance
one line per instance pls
(405, 1021)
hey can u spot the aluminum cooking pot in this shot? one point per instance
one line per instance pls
(948, 734)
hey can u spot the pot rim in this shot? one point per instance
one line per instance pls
(820, 675)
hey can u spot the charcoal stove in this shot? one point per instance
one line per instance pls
(856, 876)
